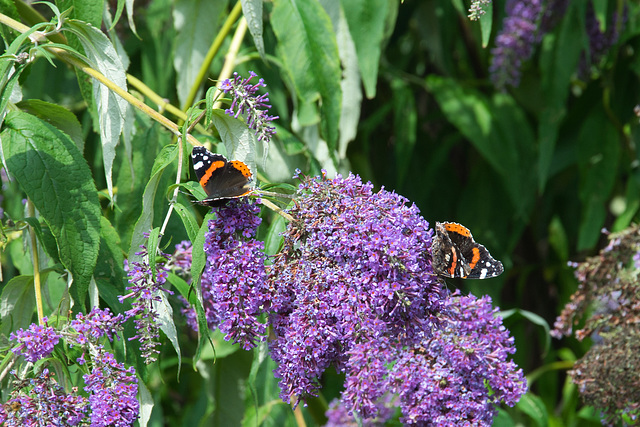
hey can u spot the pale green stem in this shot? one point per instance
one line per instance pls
(213, 50)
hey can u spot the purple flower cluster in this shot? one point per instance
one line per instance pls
(112, 392)
(42, 401)
(599, 42)
(459, 371)
(515, 43)
(145, 292)
(255, 107)
(339, 416)
(233, 282)
(352, 283)
(95, 325)
(111, 387)
(180, 261)
(36, 342)
(554, 10)
(353, 287)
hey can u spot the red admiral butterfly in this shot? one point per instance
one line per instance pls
(221, 179)
(454, 253)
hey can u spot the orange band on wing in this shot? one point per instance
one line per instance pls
(457, 228)
(475, 259)
(207, 175)
(454, 262)
(237, 164)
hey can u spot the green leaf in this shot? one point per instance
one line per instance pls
(8, 8)
(89, 11)
(533, 406)
(180, 284)
(239, 141)
(405, 117)
(195, 189)
(112, 109)
(145, 222)
(198, 262)
(109, 273)
(503, 419)
(533, 318)
(486, 23)
(188, 219)
(52, 172)
(499, 130)
(146, 403)
(351, 87)
(17, 304)
(147, 143)
(558, 238)
(559, 57)
(309, 50)
(598, 157)
(366, 19)
(197, 22)
(168, 326)
(152, 248)
(56, 116)
(45, 238)
(11, 66)
(252, 11)
(631, 202)
(273, 239)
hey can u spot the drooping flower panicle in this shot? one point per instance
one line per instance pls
(516, 41)
(245, 101)
(145, 292)
(234, 279)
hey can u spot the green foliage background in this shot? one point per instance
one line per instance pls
(396, 92)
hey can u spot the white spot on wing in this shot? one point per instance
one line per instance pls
(198, 165)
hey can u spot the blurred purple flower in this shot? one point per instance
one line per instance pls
(112, 391)
(36, 342)
(180, 261)
(42, 401)
(339, 416)
(145, 292)
(515, 43)
(246, 102)
(553, 12)
(599, 42)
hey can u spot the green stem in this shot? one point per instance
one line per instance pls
(36, 265)
(213, 50)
